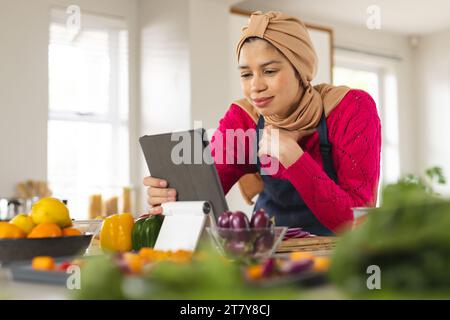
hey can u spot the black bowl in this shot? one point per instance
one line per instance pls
(25, 249)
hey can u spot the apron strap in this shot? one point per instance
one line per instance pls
(325, 149)
(259, 128)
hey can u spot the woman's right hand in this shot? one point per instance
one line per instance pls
(157, 193)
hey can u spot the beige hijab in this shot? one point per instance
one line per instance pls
(290, 36)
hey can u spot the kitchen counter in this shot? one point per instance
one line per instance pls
(33, 291)
(11, 289)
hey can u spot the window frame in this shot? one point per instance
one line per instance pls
(382, 68)
(113, 116)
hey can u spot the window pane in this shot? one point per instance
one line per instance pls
(79, 70)
(391, 157)
(123, 156)
(358, 79)
(123, 75)
(81, 162)
(88, 73)
(369, 81)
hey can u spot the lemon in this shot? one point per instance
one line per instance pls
(24, 222)
(51, 210)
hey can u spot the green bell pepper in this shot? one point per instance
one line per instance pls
(136, 233)
(146, 231)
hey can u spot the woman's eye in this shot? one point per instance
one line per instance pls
(245, 75)
(270, 71)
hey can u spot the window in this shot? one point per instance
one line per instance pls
(358, 79)
(381, 84)
(88, 148)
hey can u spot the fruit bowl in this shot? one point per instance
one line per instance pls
(248, 243)
(25, 249)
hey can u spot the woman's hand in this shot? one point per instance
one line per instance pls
(282, 144)
(158, 193)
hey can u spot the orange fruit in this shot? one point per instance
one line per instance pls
(148, 254)
(8, 230)
(300, 255)
(67, 232)
(134, 262)
(255, 272)
(321, 264)
(43, 263)
(46, 230)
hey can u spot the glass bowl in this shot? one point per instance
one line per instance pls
(88, 226)
(247, 243)
(360, 215)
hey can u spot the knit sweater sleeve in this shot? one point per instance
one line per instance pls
(232, 143)
(356, 156)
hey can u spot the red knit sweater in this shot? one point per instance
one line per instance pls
(354, 132)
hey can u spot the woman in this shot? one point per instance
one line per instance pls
(325, 140)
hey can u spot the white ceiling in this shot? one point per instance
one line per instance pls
(408, 17)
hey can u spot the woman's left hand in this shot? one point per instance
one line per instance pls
(282, 144)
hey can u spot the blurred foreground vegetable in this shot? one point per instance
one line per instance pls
(408, 238)
(101, 279)
(208, 276)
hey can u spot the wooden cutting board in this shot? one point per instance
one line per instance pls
(308, 244)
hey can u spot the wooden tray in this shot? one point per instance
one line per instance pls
(312, 244)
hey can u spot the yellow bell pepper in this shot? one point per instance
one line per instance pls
(116, 232)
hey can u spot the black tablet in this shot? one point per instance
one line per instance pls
(184, 160)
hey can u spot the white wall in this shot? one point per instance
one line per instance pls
(23, 92)
(183, 76)
(164, 65)
(433, 94)
(24, 29)
(164, 74)
(209, 48)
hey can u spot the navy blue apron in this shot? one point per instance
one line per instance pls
(281, 200)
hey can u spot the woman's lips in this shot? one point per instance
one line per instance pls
(262, 102)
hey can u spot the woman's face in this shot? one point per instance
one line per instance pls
(268, 79)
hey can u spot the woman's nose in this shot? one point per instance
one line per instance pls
(258, 84)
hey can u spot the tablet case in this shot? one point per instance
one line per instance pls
(194, 180)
